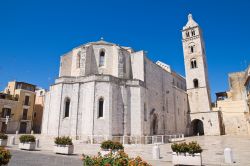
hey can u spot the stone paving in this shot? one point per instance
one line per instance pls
(26, 158)
(212, 154)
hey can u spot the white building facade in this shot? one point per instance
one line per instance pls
(106, 89)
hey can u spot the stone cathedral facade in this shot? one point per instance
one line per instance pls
(111, 90)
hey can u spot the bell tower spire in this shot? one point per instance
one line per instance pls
(196, 67)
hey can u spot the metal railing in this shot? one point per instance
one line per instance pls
(161, 139)
(26, 103)
(25, 117)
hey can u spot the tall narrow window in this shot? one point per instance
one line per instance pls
(193, 33)
(145, 112)
(102, 58)
(100, 107)
(78, 60)
(124, 66)
(187, 34)
(25, 114)
(26, 100)
(191, 49)
(67, 106)
(193, 63)
(196, 83)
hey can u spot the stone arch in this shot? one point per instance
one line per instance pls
(193, 32)
(193, 63)
(197, 127)
(102, 54)
(100, 107)
(154, 122)
(191, 48)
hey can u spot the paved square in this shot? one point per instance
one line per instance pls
(212, 154)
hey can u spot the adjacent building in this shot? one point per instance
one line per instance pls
(38, 110)
(234, 104)
(16, 106)
(247, 86)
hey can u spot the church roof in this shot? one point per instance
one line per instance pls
(190, 23)
(101, 41)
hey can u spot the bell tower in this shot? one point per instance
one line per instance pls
(196, 67)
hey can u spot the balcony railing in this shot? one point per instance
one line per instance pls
(3, 118)
(25, 117)
(26, 103)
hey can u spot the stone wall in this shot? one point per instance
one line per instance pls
(135, 90)
(210, 120)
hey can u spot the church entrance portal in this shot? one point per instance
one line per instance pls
(197, 126)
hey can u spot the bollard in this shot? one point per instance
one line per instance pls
(156, 152)
(37, 143)
(12, 140)
(228, 155)
(91, 141)
(16, 132)
(32, 132)
(123, 140)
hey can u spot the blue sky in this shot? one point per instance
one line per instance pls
(33, 34)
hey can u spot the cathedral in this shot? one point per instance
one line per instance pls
(111, 90)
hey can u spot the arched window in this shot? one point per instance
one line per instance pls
(193, 63)
(100, 108)
(102, 58)
(191, 49)
(67, 107)
(193, 33)
(187, 34)
(78, 60)
(196, 83)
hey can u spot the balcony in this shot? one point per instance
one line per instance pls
(26, 103)
(25, 118)
(3, 119)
